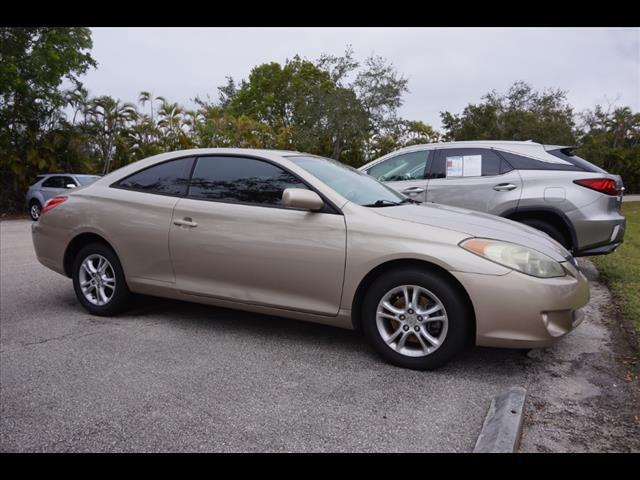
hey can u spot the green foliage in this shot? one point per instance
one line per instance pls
(34, 62)
(520, 114)
(335, 106)
(612, 140)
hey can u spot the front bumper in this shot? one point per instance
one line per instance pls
(520, 311)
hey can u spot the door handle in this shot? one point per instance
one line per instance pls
(413, 190)
(185, 222)
(504, 187)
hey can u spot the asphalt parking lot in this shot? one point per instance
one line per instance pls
(173, 376)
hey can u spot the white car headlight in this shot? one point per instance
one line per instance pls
(516, 257)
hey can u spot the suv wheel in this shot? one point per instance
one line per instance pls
(34, 210)
(416, 318)
(548, 228)
(99, 282)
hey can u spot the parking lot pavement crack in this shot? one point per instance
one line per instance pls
(61, 337)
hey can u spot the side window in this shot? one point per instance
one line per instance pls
(525, 163)
(38, 178)
(468, 162)
(54, 182)
(68, 181)
(240, 180)
(168, 178)
(407, 166)
(505, 167)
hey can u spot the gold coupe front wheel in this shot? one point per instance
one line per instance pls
(417, 318)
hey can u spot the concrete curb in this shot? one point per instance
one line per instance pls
(503, 425)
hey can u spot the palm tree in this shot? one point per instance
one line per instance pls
(170, 115)
(143, 98)
(109, 117)
(79, 100)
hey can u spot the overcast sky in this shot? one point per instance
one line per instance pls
(446, 67)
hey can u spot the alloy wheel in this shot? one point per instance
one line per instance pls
(97, 279)
(412, 320)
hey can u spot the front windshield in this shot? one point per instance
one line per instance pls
(356, 186)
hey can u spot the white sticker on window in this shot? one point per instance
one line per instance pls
(454, 166)
(472, 166)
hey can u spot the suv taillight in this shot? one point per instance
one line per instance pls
(602, 185)
(52, 203)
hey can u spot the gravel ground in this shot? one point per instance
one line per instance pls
(173, 376)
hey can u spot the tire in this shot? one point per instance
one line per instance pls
(34, 210)
(117, 297)
(548, 228)
(454, 336)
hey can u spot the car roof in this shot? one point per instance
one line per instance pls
(275, 155)
(479, 143)
(194, 152)
(527, 148)
(69, 174)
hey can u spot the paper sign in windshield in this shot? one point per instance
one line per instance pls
(454, 166)
(472, 166)
(464, 166)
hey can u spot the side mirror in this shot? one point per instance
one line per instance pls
(71, 185)
(302, 199)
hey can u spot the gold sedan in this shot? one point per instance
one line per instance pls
(305, 237)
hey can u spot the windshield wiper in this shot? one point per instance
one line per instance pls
(382, 203)
(390, 203)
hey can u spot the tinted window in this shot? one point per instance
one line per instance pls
(567, 155)
(505, 166)
(525, 163)
(168, 178)
(38, 178)
(352, 184)
(68, 181)
(407, 166)
(467, 162)
(239, 179)
(57, 182)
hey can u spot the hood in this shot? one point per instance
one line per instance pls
(477, 224)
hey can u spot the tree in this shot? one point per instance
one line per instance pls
(611, 139)
(34, 62)
(287, 98)
(328, 107)
(380, 89)
(227, 93)
(520, 114)
(108, 119)
(404, 134)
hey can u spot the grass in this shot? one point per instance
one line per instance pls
(621, 269)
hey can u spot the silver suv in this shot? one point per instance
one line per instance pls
(49, 185)
(544, 186)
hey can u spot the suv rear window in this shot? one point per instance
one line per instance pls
(526, 163)
(567, 155)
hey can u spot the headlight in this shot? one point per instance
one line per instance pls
(517, 257)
